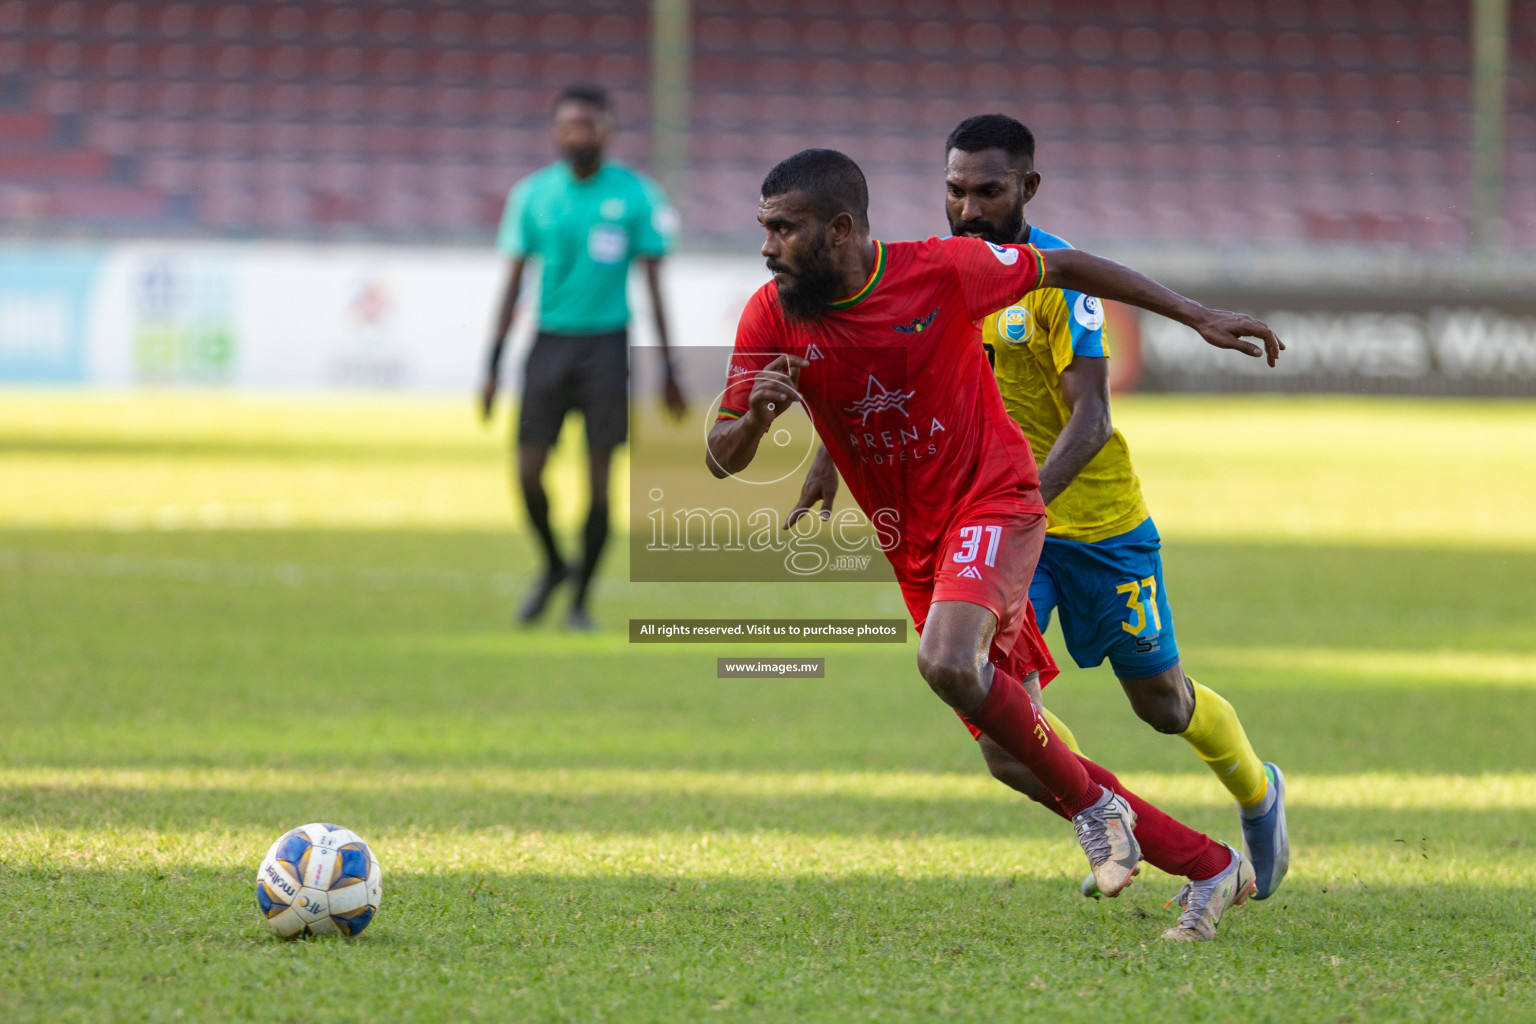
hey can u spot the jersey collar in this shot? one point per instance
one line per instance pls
(869, 286)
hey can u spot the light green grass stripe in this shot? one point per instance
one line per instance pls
(1379, 790)
(289, 575)
(1324, 469)
(774, 855)
(1448, 666)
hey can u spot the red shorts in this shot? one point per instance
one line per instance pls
(989, 559)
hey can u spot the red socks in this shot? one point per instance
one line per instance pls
(1010, 718)
(1166, 841)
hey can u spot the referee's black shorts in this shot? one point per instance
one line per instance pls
(589, 372)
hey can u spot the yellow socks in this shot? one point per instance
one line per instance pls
(1217, 736)
(1219, 739)
(1060, 729)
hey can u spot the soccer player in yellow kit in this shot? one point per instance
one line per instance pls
(1101, 567)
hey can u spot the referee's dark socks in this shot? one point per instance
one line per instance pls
(594, 536)
(538, 515)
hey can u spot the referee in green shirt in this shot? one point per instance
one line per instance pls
(586, 219)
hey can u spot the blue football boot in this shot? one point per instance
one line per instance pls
(1266, 843)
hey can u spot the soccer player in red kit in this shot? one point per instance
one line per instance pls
(879, 343)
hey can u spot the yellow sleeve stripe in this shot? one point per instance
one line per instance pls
(729, 414)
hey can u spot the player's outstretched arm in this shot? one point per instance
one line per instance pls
(1079, 271)
(820, 485)
(733, 443)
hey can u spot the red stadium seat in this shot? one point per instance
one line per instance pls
(1192, 47)
(227, 208)
(1370, 162)
(60, 97)
(341, 25)
(25, 126)
(163, 135)
(96, 203)
(1449, 52)
(233, 138)
(1279, 223)
(285, 23)
(169, 175)
(884, 77)
(1312, 125)
(1452, 91)
(1261, 164)
(53, 165)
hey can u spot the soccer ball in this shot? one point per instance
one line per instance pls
(319, 880)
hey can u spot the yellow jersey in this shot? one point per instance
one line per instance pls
(1031, 342)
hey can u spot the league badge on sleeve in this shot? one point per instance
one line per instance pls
(1006, 256)
(1088, 311)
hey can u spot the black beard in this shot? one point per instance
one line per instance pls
(584, 158)
(1006, 233)
(815, 287)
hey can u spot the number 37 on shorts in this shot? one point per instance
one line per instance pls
(1140, 607)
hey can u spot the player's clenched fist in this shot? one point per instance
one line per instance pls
(775, 387)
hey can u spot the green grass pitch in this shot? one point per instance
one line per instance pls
(221, 617)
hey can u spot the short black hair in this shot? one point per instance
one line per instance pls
(591, 95)
(993, 131)
(830, 180)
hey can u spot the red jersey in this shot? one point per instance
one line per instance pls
(900, 390)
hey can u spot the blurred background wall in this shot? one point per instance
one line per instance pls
(170, 172)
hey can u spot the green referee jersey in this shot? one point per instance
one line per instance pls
(585, 233)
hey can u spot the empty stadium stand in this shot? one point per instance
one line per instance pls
(1199, 120)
